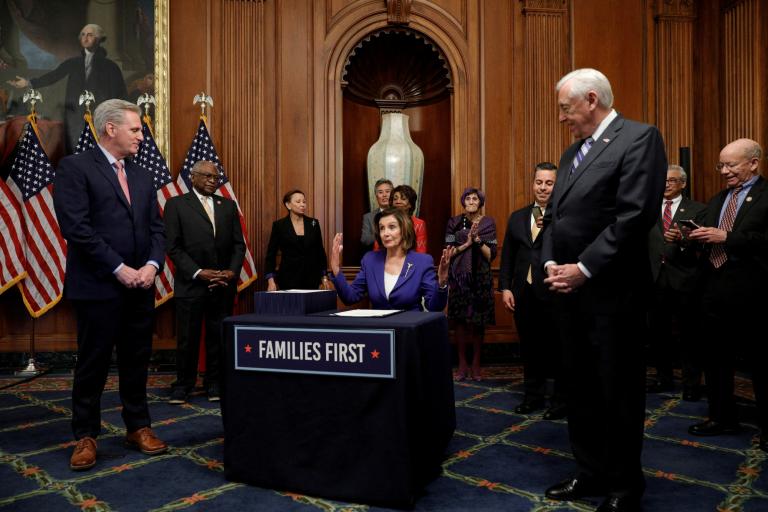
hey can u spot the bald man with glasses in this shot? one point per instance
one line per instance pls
(734, 265)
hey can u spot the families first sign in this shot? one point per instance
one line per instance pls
(346, 352)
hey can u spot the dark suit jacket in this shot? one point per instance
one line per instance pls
(191, 244)
(105, 82)
(102, 230)
(602, 214)
(302, 261)
(677, 262)
(520, 252)
(746, 271)
(417, 279)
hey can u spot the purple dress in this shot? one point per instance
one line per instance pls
(471, 284)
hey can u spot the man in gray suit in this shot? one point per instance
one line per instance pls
(606, 198)
(383, 189)
(674, 264)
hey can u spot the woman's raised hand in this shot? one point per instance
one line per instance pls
(336, 253)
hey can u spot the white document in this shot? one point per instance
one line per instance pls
(367, 313)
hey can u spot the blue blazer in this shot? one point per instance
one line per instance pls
(102, 230)
(417, 280)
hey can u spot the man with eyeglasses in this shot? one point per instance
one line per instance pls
(205, 242)
(674, 266)
(734, 235)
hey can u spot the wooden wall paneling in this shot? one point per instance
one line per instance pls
(546, 40)
(741, 69)
(616, 49)
(295, 86)
(498, 110)
(674, 81)
(707, 101)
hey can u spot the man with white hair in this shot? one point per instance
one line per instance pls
(734, 234)
(606, 198)
(107, 210)
(674, 264)
(91, 70)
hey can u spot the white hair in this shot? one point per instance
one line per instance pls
(97, 30)
(587, 79)
(112, 111)
(675, 167)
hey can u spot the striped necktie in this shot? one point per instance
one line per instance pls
(718, 256)
(667, 215)
(580, 155)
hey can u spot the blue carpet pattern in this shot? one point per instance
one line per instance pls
(497, 460)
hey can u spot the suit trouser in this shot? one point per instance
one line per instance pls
(671, 322)
(124, 322)
(540, 346)
(191, 314)
(727, 319)
(605, 378)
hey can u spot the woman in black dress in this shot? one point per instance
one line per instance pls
(297, 237)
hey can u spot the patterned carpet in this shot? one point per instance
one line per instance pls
(499, 460)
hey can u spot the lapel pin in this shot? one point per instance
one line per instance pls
(313, 222)
(408, 269)
(749, 198)
(606, 140)
(218, 202)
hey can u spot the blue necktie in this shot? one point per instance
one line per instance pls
(580, 154)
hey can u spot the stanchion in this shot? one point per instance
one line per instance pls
(31, 370)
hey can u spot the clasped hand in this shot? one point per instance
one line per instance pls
(564, 278)
(216, 278)
(141, 278)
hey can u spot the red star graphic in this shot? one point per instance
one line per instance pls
(375, 354)
(248, 348)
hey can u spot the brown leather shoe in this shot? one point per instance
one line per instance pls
(84, 456)
(146, 441)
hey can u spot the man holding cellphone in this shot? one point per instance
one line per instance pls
(674, 267)
(734, 234)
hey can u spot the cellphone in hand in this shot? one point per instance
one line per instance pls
(688, 223)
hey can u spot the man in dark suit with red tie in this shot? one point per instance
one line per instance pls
(606, 198)
(107, 209)
(205, 242)
(733, 287)
(521, 282)
(674, 264)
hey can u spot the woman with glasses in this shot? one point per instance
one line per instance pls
(298, 240)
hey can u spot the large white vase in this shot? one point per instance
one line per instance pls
(395, 156)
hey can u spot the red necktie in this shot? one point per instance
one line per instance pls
(718, 256)
(123, 179)
(667, 215)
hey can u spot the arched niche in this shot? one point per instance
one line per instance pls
(396, 69)
(346, 30)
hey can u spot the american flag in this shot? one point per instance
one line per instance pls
(202, 149)
(149, 157)
(12, 260)
(88, 138)
(31, 181)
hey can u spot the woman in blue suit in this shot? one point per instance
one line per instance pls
(396, 277)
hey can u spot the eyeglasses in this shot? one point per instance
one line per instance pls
(724, 165)
(675, 180)
(207, 177)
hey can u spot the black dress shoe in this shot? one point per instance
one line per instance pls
(528, 406)
(572, 489)
(620, 504)
(556, 412)
(713, 428)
